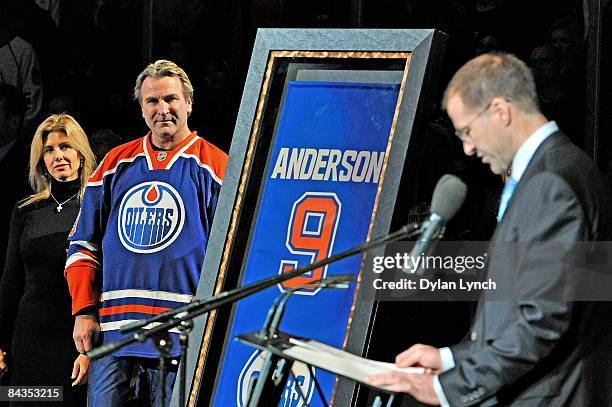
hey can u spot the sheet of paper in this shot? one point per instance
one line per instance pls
(340, 362)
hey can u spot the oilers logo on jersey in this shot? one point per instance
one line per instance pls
(151, 217)
(291, 394)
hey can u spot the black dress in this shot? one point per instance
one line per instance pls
(35, 306)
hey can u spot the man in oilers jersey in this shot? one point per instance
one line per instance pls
(139, 241)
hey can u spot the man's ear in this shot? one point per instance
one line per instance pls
(502, 110)
(189, 107)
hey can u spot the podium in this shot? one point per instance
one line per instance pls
(283, 351)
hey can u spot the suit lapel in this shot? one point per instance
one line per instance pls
(535, 166)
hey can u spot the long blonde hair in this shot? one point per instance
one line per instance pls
(38, 176)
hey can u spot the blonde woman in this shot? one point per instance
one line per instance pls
(36, 346)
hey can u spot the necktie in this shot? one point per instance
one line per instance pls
(505, 198)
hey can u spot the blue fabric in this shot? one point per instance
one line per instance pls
(505, 198)
(110, 377)
(146, 229)
(525, 153)
(521, 160)
(322, 180)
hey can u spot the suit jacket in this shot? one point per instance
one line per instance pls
(537, 347)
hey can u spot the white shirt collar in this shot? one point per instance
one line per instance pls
(525, 153)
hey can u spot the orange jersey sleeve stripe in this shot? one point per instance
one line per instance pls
(120, 153)
(143, 309)
(80, 279)
(210, 156)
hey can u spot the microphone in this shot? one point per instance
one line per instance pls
(448, 196)
(276, 311)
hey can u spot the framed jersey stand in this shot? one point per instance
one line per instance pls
(323, 142)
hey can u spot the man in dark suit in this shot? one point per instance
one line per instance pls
(536, 346)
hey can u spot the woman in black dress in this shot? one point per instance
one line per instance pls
(36, 346)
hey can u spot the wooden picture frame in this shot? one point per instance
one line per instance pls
(409, 58)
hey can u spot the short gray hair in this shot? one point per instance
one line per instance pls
(493, 75)
(159, 69)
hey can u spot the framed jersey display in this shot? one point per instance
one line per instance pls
(325, 131)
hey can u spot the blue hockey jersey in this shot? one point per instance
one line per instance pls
(138, 244)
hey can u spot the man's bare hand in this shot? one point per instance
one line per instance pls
(3, 365)
(420, 386)
(86, 329)
(79, 370)
(421, 356)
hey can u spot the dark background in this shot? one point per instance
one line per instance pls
(90, 52)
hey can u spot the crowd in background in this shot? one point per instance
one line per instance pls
(81, 56)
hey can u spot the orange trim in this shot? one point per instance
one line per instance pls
(210, 155)
(81, 285)
(152, 153)
(111, 160)
(143, 309)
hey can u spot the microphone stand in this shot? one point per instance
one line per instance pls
(268, 386)
(179, 316)
(276, 311)
(184, 330)
(163, 343)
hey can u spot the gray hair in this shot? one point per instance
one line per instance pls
(159, 69)
(493, 75)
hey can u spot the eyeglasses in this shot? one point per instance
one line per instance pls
(465, 132)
